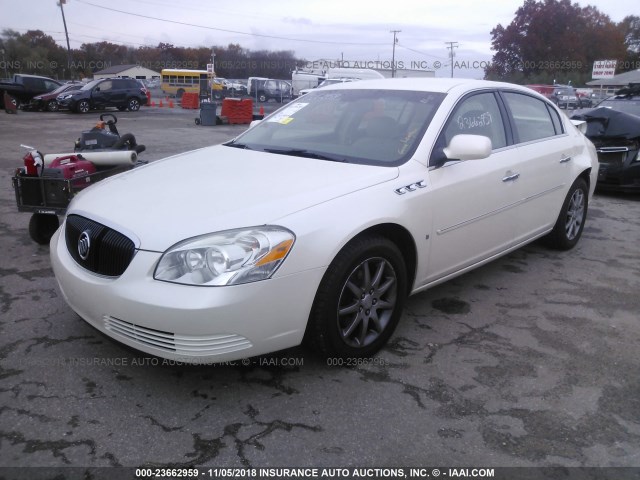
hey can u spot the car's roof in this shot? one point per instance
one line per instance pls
(442, 85)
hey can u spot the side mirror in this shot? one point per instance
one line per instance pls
(468, 147)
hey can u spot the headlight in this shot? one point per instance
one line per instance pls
(226, 258)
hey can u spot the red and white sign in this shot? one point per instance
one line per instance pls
(603, 69)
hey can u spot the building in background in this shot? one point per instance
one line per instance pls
(127, 71)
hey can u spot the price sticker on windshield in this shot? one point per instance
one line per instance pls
(285, 115)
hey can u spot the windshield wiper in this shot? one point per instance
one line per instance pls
(237, 145)
(299, 152)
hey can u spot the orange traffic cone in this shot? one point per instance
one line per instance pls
(160, 104)
(261, 110)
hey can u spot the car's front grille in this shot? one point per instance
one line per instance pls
(97, 247)
(189, 346)
(612, 155)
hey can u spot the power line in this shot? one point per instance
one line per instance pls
(149, 17)
(418, 51)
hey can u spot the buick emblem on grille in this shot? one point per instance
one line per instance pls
(84, 244)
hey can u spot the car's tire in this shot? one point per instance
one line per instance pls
(42, 226)
(262, 98)
(133, 104)
(360, 299)
(83, 106)
(53, 106)
(570, 223)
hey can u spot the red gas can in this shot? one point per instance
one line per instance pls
(32, 162)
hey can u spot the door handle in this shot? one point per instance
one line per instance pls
(510, 177)
(565, 159)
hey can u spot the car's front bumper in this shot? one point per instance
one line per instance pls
(66, 102)
(187, 323)
(619, 170)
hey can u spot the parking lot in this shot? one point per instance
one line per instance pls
(531, 360)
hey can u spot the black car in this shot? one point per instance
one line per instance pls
(265, 89)
(22, 88)
(614, 129)
(123, 93)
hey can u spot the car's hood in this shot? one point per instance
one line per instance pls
(218, 188)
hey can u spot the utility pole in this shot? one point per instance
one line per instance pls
(66, 33)
(452, 54)
(393, 57)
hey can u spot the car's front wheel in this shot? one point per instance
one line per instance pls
(42, 226)
(360, 299)
(53, 106)
(83, 106)
(133, 104)
(570, 223)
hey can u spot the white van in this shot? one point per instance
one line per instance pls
(304, 81)
(355, 73)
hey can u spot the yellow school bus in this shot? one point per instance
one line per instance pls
(176, 82)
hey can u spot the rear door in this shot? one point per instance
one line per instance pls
(544, 153)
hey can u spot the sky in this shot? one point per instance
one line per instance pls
(355, 31)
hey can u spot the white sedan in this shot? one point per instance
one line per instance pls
(317, 223)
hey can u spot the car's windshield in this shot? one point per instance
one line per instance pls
(90, 85)
(626, 105)
(375, 127)
(64, 88)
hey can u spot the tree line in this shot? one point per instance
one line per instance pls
(556, 40)
(37, 53)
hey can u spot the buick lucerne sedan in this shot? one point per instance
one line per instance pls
(316, 224)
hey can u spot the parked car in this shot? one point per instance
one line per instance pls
(614, 129)
(324, 217)
(123, 93)
(265, 89)
(22, 88)
(234, 87)
(47, 101)
(564, 96)
(589, 100)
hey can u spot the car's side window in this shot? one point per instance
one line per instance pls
(555, 118)
(532, 119)
(478, 114)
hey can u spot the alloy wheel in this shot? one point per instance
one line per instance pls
(367, 302)
(575, 214)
